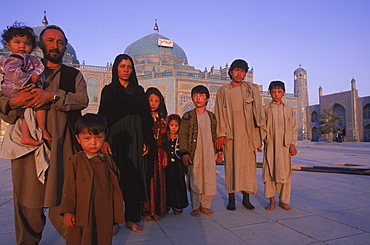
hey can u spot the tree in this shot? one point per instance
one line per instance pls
(328, 124)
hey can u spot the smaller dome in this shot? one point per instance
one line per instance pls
(353, 80)
(300, 69)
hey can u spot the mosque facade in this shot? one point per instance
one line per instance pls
(160, 62)
(354, 113)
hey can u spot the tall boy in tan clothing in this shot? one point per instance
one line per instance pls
(280, 139)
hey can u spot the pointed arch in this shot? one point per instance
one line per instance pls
(314, 117)
(314, 136)
(367, 133)
(366, 111)
(340, 111)
(93, 89)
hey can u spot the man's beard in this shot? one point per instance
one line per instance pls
(54, 59)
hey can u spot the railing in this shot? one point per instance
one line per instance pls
(90, 67)
(183, 74)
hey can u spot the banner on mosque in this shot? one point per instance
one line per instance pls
(165, 43)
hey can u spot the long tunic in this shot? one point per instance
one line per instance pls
(157, 199)
(239, 119)
(30, 192)
(126, 140)
(92, 193)
(176, 195)
(281, 133)
(130, 126)
(188, 133)
(202, 174)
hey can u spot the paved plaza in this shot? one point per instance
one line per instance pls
(328, 208)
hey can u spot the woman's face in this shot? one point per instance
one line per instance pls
(124, 70)
(154, 102)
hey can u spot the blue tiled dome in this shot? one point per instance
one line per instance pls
(148, 46)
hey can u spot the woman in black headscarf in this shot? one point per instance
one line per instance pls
(130, 136)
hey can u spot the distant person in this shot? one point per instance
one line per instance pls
(157, 198)
(339, 137)
(92, 199)
(239, 120)
(176, 193)
(279, 146)
(130, 136)
(65, 92)
(197, 134)
(21, 69)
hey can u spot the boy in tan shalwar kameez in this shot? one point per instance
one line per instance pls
(239, 124)
(196, 137)
(280, 139)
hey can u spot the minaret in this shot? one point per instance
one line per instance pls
(354, 102)
(320, 91)
(300, 89)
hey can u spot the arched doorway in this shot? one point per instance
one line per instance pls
(93, 90)
(339, 110)
(367, 133)
(366, 111)
(314, 117)
(314, 136)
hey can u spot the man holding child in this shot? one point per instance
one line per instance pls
(65, 91)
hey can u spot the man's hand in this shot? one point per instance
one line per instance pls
(40, 98)
(23, 97)
(106, 148)
(186, 160)
(69, 220)
(293, 150)
(220, 142)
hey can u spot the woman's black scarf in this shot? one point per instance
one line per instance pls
(117, 101)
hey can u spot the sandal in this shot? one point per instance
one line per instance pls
(148, 219)
(115, 229)
(177, 212)
(156, 217)
(134, 227)
(206, 211)
(195, 213)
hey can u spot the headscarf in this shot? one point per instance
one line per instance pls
(132, 79)
(117, 101)
(162, 110)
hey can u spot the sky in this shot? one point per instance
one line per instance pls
(330, 39)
